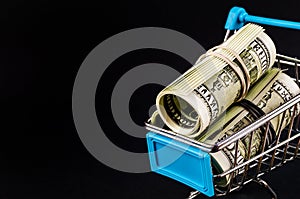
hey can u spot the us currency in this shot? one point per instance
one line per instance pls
(222, 76)
(274, 89)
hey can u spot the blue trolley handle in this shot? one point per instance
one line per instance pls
(238, 16)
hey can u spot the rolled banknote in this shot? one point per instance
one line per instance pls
(271, 91)
(222, 76)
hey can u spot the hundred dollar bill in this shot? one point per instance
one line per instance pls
(222, 76)
(271, 91)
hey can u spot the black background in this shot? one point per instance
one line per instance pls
(42, 45)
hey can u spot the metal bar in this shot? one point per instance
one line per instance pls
(276, 154)
(277, 140)
(224, 143)
(263, 147)
(193, 194)
(290, 63)
(297, 148)
(297, 72)
(263, 163)
(293, 59)
(292, 146)
(220, 194)
(276, 158)
(289, 133)
(226, 35)
(281, 151)
(289, 153)
(278, 59)
(297, 122)
(247, 158)
(232, 175)
(298, 83)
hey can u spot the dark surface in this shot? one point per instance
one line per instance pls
(43, 44)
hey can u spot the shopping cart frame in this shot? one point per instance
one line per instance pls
(200, 176)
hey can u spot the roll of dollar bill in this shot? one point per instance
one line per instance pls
(271, 91)
(222, 76)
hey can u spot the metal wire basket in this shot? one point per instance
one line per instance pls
(194, 167)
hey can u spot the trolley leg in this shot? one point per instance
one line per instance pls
(264, 184)
(193, 194)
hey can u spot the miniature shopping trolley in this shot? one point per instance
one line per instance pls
(189, 161)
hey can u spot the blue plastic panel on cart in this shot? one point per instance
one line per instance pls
(181, 162)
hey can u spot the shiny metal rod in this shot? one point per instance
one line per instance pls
(193, 194)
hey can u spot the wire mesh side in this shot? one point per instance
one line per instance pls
(284, 149)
